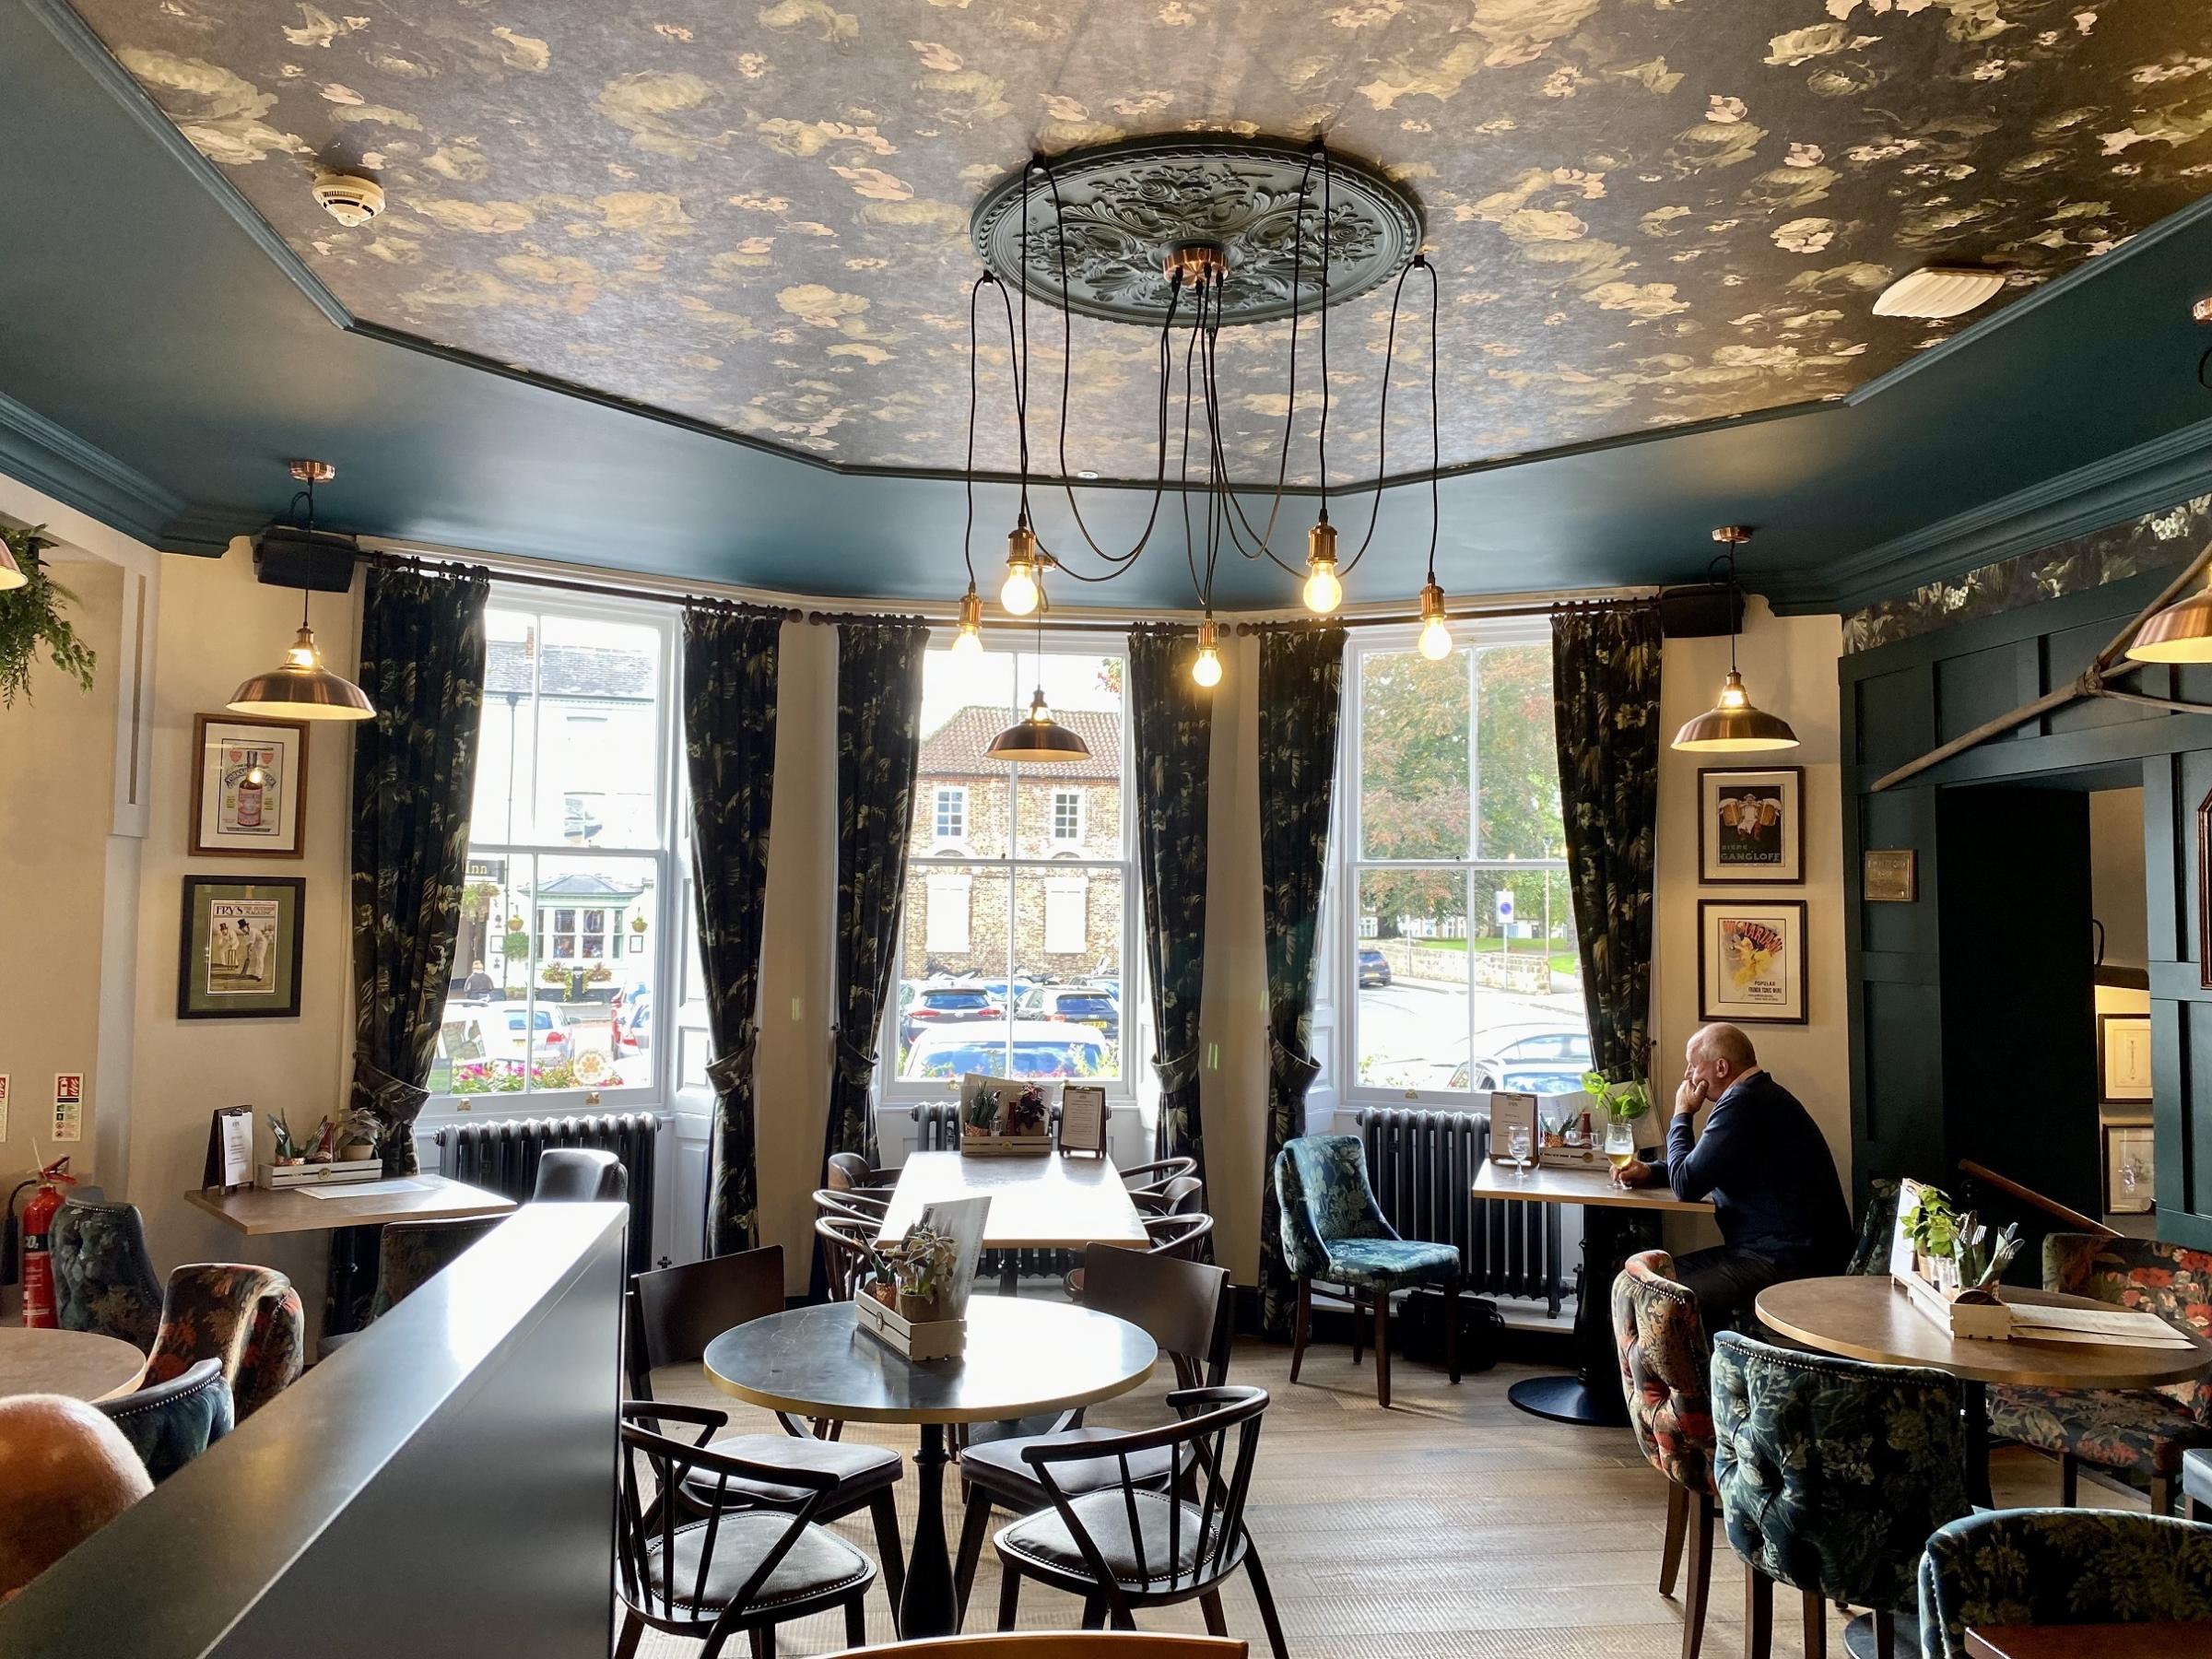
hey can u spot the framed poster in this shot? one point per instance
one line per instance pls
(248, 789)
(2129, 1187)
(239, 954)
(1751, 824)
(2123, 1057)
(1752, 960)
(1890, 875)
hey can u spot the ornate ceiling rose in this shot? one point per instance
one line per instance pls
(1137, 208)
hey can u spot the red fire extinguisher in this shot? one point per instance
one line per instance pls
(38, 1250)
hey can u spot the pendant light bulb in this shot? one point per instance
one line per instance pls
(1436, 632)
(1205, 670)
(1019, 594)
(1325, 592)
(969, 641)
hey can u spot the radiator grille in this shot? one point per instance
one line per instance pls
(501, 1155)
(1422, 1165)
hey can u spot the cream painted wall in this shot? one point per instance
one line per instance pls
(1233, 1083)
(1788, 667)
(57, 749)
(217, 625)
(2119, 894)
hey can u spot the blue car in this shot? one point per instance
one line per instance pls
(1374, 968)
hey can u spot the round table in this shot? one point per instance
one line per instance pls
(1867, 1317)
(82, 1364)
(1023, 1357)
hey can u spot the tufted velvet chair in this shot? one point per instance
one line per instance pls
(248, 1318)
(103, 1279)
(171, 1423)
(2061, 1567)
(1831, 1475)
(1334, 1231)
(1664, 1359)
(1877, 1226)
(580, 1175)
(2140, 1434)
(408, 1256)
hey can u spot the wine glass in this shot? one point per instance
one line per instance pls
(1517, 1147)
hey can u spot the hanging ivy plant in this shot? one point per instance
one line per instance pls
(31, 616)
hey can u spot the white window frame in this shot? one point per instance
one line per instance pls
(1080, 796)
(956, 795)
(671, 872)
(896, 1093)
(1340, 975)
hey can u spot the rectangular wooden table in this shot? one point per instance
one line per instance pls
(2184, 1640)
(1594, 1395)
(350, 1220)
(1050, 1203)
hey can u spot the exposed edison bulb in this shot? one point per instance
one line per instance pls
(1205, 670)
(1041, 711)
(969, 641)
(301, 653)
(1324, 592)
(1732, 695)
(1436, 633)
(1019, 594)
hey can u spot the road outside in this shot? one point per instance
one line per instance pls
(1414, 1034)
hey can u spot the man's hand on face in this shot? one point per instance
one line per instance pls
(1687, 1098)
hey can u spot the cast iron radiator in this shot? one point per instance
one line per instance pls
(937, 1129)
(501, 1155)
(1422, 1165)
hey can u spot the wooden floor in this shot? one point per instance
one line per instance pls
(1450, 1524)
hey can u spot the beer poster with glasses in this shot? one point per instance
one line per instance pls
(251, 783)
(238, 957)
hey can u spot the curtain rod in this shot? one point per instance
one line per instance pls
(413, 561)
(1556, 607)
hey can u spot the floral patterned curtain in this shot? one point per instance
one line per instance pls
(1604, 688)
(1173, 725)
(413, 780)
(729, 660)
(1301, 672)
(878, 742)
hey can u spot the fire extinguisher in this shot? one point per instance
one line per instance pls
(38, 1252)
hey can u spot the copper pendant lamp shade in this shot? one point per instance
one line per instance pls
(11, 573)
(2180, 633)
(1038, 739)
(299, 688)
(1734, 728)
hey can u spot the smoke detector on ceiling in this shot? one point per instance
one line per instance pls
(1936, 291)
(349, 199)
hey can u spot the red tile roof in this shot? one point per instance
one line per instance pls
(959, 748)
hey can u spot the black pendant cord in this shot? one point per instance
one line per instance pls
(1436, 430)
(967, 536)
(1321, 446)
(1202, 584)
(1727, 580)
(1232, 511)
(1390, 352)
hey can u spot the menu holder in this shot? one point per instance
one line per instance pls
(1083, 1119)
(230, 1166)
(1507, 1113)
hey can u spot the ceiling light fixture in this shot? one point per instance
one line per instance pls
(969, 641)
(1938, 292)
(1037, 739)
(2180, 633)
(1191, 232)
(301, 688)
(1733, 725)
(12, 575)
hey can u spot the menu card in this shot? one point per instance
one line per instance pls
(963, 1219)
(1082, 1118)
(230, 1149)
(1507, 1113)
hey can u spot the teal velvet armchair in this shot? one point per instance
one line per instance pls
(1334, 1231)
(2061, 1567)
(103, 1279)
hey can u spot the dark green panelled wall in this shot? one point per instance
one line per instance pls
(1921, 1101)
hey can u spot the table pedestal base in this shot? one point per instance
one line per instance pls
(1593, 1396)
(1569, 1400)
(926, 1607)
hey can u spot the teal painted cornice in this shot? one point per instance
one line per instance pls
(53, 459)
(2150, 477)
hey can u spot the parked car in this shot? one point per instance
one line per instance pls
(1374, 967)
(1080, 1005)
(504, 1023)
(633, 1023)
(957, 1003)
(1549, 1057)
(1041, 1048)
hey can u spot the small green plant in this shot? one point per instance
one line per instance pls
(922, 1261)
(1932, 1223)
(281, 1144)
(1623, 1103)
(30, 616)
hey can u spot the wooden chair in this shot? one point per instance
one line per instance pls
(676, 1313)
(1060, 1644)
(1181, 1195)
(1182, 1306)
(849, 1172)
(851, 1203)
(848, 1250)
(739, 1569)
(1666, 1360)
(1151, 1177)
(1179, 1235)
(1137, 1542)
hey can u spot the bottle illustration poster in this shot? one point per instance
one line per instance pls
(253, 791)
(247, 796)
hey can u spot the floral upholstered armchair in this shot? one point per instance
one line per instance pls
(1832, 1473)
(2061, 1567)
(103, 1279)
(1665, 1363)
(2139, 1434)
(1334, 1231)
(247, 1317)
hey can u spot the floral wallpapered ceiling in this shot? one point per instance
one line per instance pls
(1645, 212)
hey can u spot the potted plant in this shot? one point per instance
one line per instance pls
(983, 1113)
(30, 616)
(283, 1148)
(1027, 1114)
(357, 1132)
(1622, 1104)
(921, 1266)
